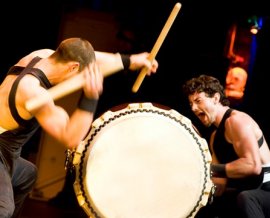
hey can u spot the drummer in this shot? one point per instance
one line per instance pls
(240, 153)
(31, 78)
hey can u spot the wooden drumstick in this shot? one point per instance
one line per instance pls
(56, 92)
(74, 83)
(157, 45)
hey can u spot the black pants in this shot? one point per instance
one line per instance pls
(254, 203)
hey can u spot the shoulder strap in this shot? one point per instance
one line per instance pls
(41, 76)
(226, 115)
(11, 98)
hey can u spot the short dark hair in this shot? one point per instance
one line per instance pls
(208, 84)
(75, 49)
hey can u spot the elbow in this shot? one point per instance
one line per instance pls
(70, 143)
(73, 144)
(256, 169)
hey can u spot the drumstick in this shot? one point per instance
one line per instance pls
(56, 92)
(157, 45)
(74, 83)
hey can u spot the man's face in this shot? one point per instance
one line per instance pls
(203, 107)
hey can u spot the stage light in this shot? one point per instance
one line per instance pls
(256, 24)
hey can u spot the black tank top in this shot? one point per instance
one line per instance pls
(225, 153)
(11, 141)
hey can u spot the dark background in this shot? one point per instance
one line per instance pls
(194, 45)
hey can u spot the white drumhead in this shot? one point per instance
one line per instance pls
(143, 163)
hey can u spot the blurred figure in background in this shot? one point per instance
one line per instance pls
(236, 80)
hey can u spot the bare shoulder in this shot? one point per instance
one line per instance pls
(29, 88)
(43, 53)
(240, 117)
(241, 121)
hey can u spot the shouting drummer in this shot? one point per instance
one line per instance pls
(31, 78)
(240, 153)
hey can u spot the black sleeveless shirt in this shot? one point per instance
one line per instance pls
(11, 141)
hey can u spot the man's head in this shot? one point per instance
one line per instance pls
(207, 84)
(75, 50)
(236, 80)
(205, 95)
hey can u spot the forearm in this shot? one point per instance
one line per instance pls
(67, 130)
(110, 63)
(81, 120)
(79, 125)
(239, 168)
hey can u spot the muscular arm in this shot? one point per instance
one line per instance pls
(241, 132)
(69, 130)
(110, 63)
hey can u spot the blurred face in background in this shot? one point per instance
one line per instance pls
(236, 80)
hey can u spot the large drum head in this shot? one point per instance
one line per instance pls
(142, 161)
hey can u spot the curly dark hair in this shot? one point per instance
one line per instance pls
(208, 84)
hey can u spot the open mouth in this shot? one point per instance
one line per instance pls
(200, 115)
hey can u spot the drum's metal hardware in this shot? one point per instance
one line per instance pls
(69, 159)
(212, 194)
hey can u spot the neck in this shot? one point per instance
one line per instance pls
(55, 72)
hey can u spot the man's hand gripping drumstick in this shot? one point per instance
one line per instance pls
(157, 46)
(108, 64)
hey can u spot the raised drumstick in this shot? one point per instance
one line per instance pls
(157, 45)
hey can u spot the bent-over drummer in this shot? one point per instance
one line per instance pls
(31, 78)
